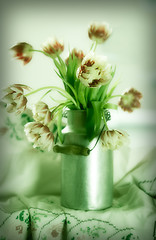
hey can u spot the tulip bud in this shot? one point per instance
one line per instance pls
(53, 47)
(23, 51)
(99, 32)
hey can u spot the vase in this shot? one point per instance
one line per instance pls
(86, 181)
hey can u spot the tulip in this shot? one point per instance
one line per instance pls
(23, 51)
(99, 32)
(53, 47)
(94, 71)
(41, 113)
(130, 100)
(113, 139)
(15, 99)
(39, 135)
(79, 55)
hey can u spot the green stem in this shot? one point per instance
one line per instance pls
(107, 99)
(73, 90)
(68, 96)
(92, 46)
(95, 46)
(42, 88)
(40, 51)
(105, 123)
(48, 55)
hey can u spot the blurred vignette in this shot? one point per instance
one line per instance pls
(132, 48)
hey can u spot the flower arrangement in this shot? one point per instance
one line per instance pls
(88, 86)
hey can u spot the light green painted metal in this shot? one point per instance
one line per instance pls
(87, 181)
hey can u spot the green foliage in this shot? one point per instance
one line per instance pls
(93, 100)
(78, 96)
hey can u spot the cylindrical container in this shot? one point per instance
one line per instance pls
(87, 181)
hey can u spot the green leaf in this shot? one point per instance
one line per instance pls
(113, 88)
(114, 71)
(59, 67)
(104, 93)
(110, 106)
(97, 106)
(71, 69)
(81, 95)
(59, 125)
(100, 93)
(45, 94)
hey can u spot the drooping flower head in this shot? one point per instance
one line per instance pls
(113, 139)
(94, 70)
(23, 51)
(130, 100)
(41, 113)
(53, 47)
(39, 135)
(78, 54)
(15, 99)
(99, 32)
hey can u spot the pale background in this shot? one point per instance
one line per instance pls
(131, 47)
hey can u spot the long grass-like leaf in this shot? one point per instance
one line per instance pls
(81, 95)
(59, 125)
(45, 94)
(113, 88)
(60, 69)
(97, 106)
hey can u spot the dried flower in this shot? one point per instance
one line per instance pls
(130, 100)
(113, 139)
(23, 51)
(78, 54)
(94, 71)
(39, 135)
(53, 47)
(15, 99)
(99, 32)
(41, 113)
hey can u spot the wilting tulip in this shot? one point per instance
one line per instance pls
(23, 51)
(53, 47)
(99, 32)
(15, 99)
(113, 139)
(94, 71)
(41, 113)
(39, 135)
(130, 100)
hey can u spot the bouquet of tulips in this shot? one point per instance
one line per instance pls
(88, 85)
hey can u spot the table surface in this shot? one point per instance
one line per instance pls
(41, 217)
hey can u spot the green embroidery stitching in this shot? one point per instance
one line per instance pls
(128, 237)
(94, 232)
(94, 219)
(121, 230)
(143, 185)
(24, 217)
